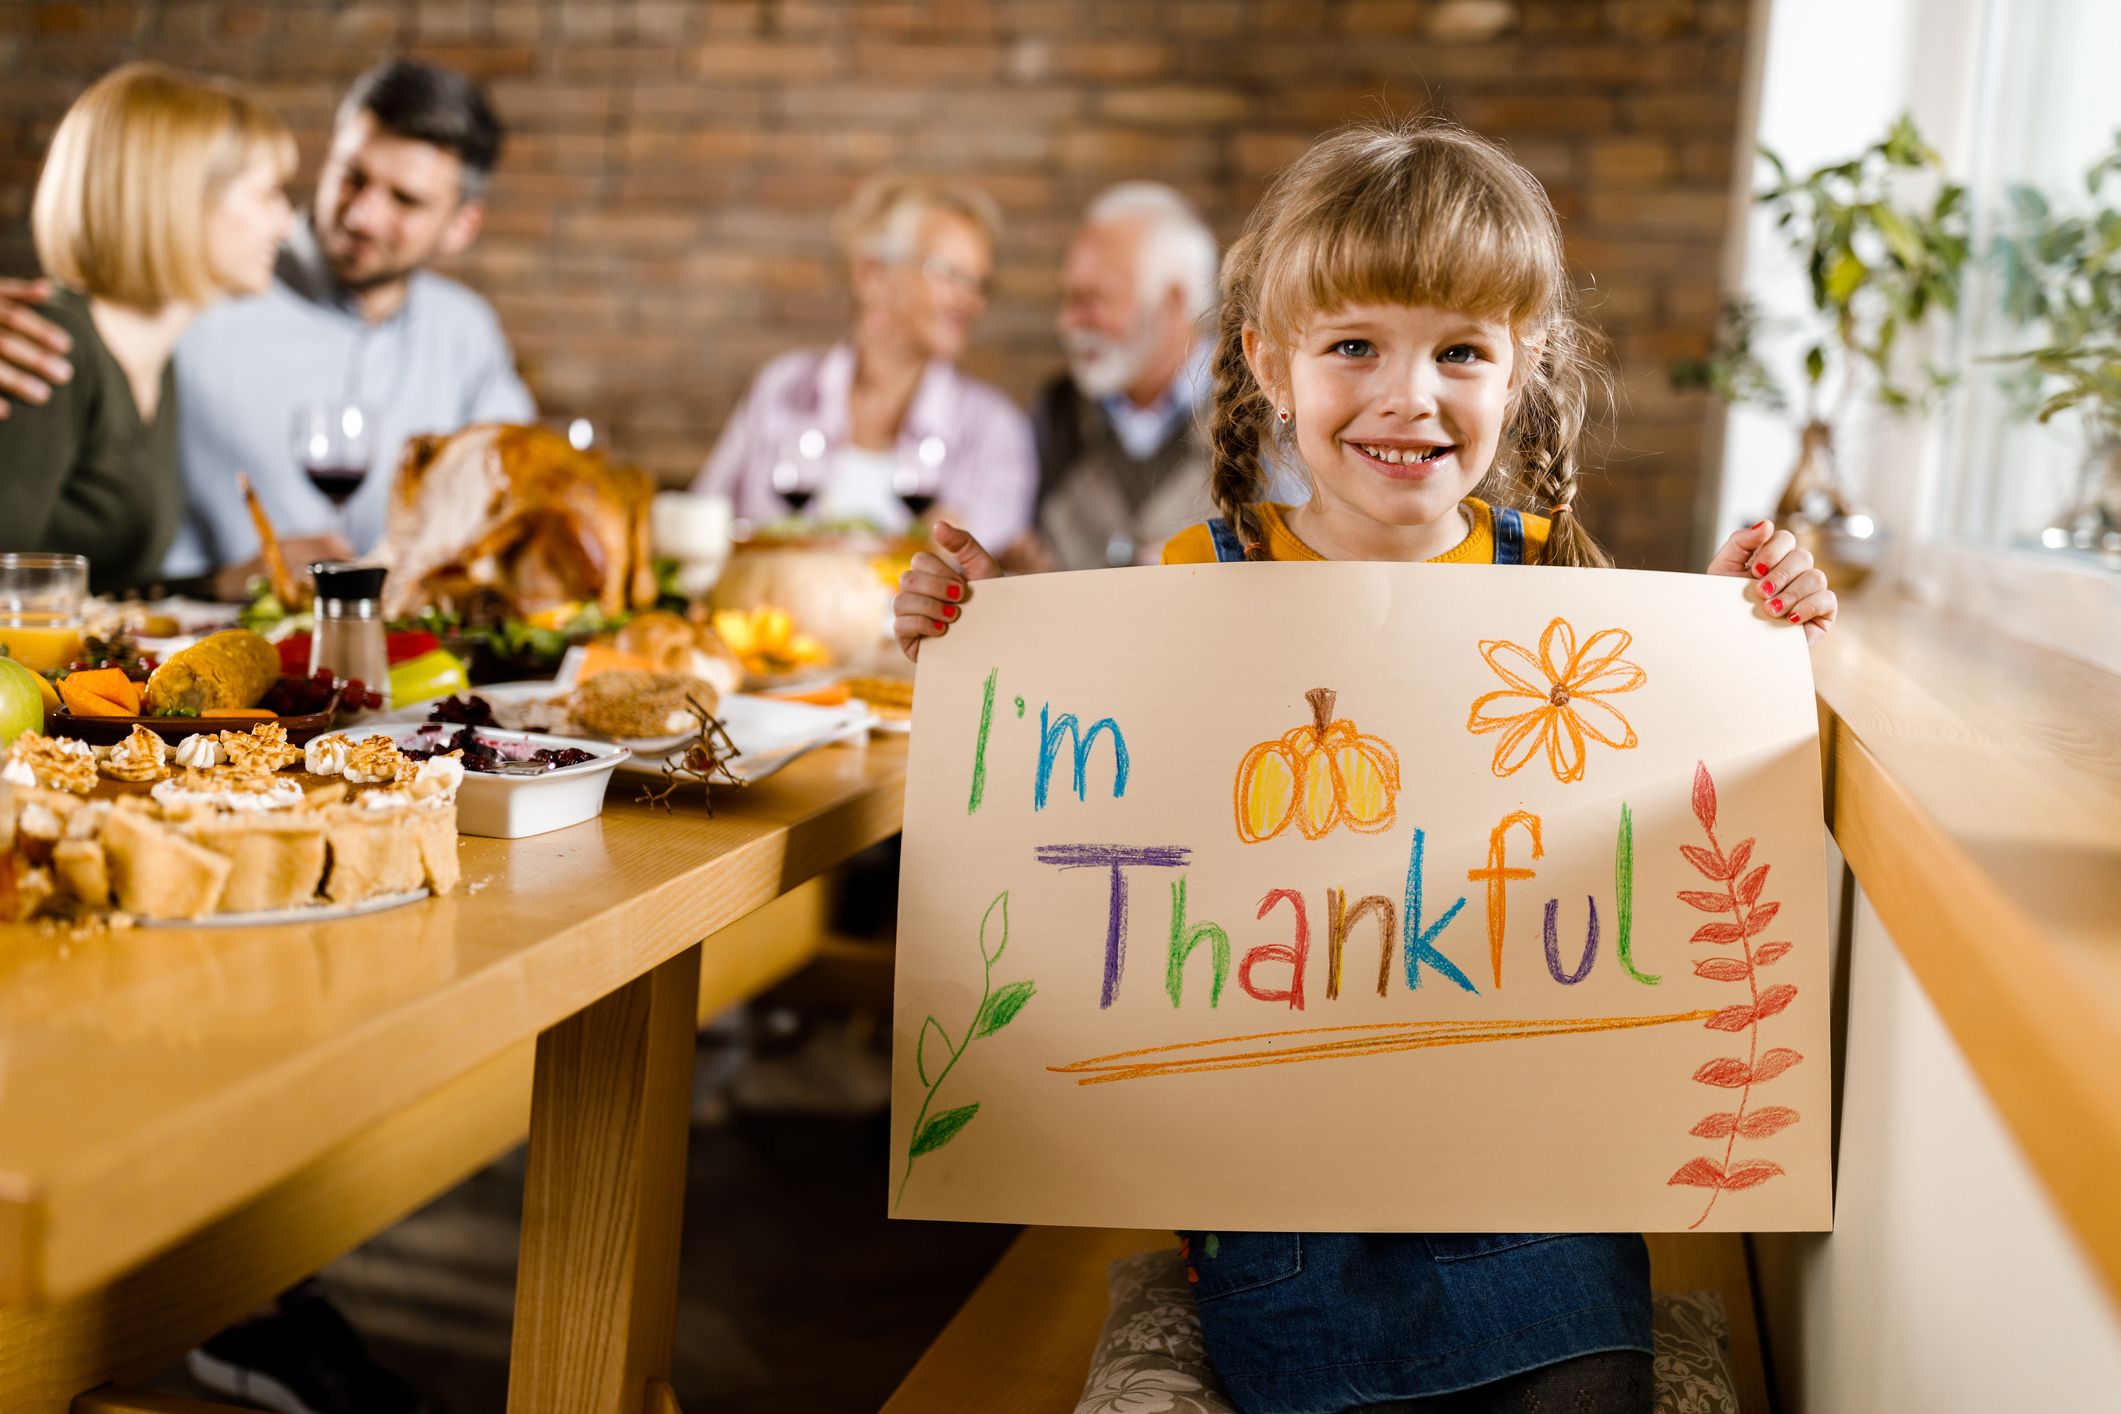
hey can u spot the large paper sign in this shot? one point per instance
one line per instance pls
(1358, 897)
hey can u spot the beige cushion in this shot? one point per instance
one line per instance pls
(1150, 1355)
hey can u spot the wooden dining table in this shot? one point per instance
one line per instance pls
(193, 1119)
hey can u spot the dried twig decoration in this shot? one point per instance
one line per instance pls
(704, 760)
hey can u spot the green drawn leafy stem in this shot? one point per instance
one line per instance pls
(996, 1009)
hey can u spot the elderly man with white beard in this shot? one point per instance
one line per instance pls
(1123, 462)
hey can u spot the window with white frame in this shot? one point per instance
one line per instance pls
(1977, 504)
(2043, 173)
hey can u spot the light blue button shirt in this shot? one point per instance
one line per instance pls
(1143, 431)
(440, 363)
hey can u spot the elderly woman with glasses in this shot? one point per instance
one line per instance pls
(883, 427)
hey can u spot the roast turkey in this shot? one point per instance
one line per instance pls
(514, 519)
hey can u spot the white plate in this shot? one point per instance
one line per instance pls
(570, 673)
(512, 693)
(195, 617)
(509, 807)
(768, 733)
(305, 913)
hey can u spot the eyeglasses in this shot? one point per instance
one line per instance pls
(944, 270)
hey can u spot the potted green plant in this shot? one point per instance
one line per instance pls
(2060, 271)
(1879, 265)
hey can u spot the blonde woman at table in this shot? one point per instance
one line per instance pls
(883, 425)
(162, 194)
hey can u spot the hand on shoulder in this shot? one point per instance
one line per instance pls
(32, 348)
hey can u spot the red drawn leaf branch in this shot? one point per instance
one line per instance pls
(1737, 898)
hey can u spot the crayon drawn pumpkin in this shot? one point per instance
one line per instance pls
(1319, 775)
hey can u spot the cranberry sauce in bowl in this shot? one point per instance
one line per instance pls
(493, 755)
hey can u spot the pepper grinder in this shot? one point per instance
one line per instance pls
(348, 638)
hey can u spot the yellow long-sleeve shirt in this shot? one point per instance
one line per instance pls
(1195, 545)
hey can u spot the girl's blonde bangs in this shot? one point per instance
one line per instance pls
(1448, 223)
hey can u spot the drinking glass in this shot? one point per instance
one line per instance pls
(333, 443)
(800, 472)
(41, 598)
(916, 481)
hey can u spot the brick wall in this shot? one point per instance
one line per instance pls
(659, 224)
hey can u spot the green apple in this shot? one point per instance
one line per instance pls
(21, 701)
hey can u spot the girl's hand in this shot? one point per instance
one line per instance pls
(1786, 582)
(935, 591)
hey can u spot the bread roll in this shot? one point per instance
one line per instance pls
(664, 639)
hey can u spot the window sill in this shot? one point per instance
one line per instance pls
(1973, 782)
(2064, 603)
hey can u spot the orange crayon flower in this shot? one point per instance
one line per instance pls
(1556, 700)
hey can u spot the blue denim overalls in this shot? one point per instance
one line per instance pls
(1318, 1323)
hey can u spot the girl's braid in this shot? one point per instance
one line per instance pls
(1236, 479)
(1549, 444)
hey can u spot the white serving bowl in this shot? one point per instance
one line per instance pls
(508, 807)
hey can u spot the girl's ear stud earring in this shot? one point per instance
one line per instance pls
(1282, 415)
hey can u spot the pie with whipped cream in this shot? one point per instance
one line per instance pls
(234, 822)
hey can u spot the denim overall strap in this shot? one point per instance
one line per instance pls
(1509, 536)
(1317, 1323)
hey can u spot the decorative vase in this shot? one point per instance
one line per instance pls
(2092, 521)
(1813, 508)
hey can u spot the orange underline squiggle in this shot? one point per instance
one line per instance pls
(1347, 1043)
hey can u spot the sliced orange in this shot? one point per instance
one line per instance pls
(100, 692)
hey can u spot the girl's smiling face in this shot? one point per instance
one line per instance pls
(1398, 412)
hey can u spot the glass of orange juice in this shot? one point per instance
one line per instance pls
(41, 598)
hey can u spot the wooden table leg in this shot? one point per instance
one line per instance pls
(110, 1400)
(596, 1281)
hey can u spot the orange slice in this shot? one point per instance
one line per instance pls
(100, 692)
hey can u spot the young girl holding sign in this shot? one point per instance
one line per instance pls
(1397, 320)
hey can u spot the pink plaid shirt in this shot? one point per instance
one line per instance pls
(975, 439)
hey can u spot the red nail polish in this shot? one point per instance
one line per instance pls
(1776, 605)
(1757, 524)
(955, 592)
(950, 611)
(1766, 587)
(940, 624)
(1760, 569)
(1793, 618)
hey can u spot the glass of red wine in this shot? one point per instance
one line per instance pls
(332, 443)
(800, 473)
(794, 482)
(916, 485)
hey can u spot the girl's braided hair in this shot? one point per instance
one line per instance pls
(1421, 213)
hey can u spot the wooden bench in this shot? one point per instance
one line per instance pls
(1021, 1344)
